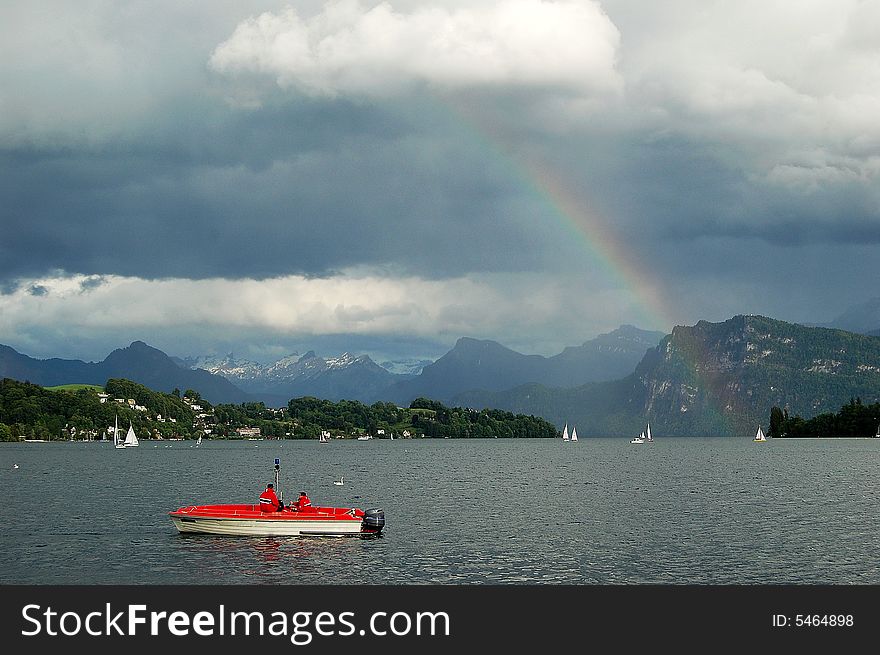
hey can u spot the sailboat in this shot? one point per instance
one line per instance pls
(199, 441)
(116, 440)
(759, 435)
(648, 437)
(574, 433)
(877, 436)
(325, 436)
(565, 433)
(131, 439)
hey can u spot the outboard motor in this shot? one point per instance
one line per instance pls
(374, 520)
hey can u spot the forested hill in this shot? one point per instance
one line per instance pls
(31, 411)
(87, 412)
(423, 418)
(854, 421)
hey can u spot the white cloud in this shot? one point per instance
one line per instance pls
(766, 77)
(509, 307)
(761, 79)
(348, 48)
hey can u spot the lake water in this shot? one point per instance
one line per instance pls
(496, 511)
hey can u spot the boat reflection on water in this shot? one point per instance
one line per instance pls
(268, 550)
(274, 558)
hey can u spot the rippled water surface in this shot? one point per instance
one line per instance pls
(496, 511)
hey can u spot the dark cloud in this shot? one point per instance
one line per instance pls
(8, 287)
(741, 177)
(92, 282)
(305, 188)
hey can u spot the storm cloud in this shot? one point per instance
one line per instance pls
(200, 153)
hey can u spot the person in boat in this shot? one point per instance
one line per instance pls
(269, 501)
(302, 502)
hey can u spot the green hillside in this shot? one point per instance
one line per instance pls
(76, 387)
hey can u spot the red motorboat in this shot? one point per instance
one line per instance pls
(291, 521)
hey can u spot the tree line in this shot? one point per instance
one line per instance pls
(854, 419)
(29, 411)
(423, 418)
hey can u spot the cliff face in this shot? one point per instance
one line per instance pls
(723, 378)
(714, 379)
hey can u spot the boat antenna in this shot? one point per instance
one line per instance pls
(277, 469)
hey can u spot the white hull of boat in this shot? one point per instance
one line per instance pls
(265, 527)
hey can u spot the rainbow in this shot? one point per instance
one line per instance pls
(612, 257)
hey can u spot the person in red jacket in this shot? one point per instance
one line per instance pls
(269, 501)
(303, 501)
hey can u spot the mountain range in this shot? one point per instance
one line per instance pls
(705, 379)
(471, 364)
(487, 365)
(138, 362)
(712, 379)
(351, 377)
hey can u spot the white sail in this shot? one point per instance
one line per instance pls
(759, 435)
(116, 440)
(565, 433)
(199, 441)
(574, 433)
(131, 439)
(648, 436)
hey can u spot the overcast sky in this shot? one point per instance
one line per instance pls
(265, 177)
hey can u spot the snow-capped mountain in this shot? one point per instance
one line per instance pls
(406, 366)
(347, 376)
(228, 366)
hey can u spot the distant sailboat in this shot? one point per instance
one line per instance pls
(340, 481)
(131, 439)
(759, 435)
(574, 433)
(325, 436)
(565, 433)
(644, 437)
(199, 441)
(877, 436)
(116, 440)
